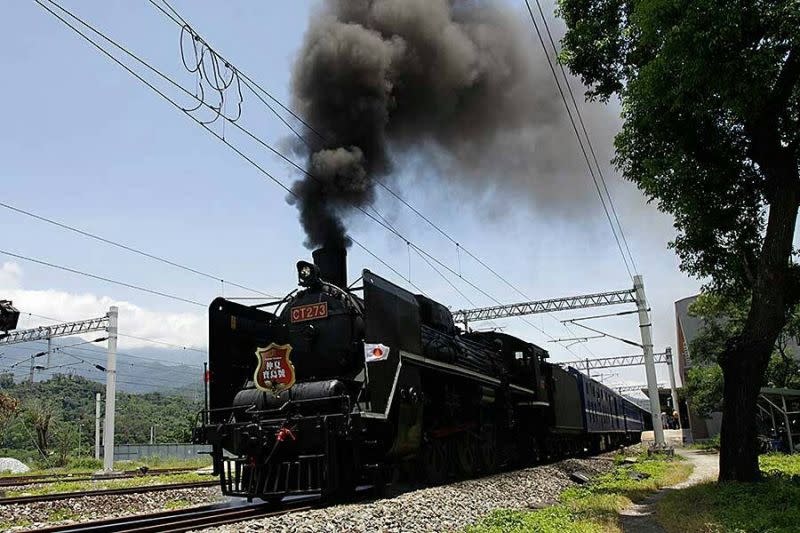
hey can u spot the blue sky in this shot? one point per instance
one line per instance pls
(86, 144)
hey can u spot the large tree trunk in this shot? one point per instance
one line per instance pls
(742, 371)
(745, 360)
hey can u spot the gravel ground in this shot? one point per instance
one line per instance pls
(99, 507)
(443, 508)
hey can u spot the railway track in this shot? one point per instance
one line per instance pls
(108, 492)
(184, 519)
(37, 479)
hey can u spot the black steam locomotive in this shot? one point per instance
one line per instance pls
(333, 387)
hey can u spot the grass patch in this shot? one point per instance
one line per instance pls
(780, 465)
(771, 506)
(63, 513)
(102, 484)
(158, 462)
(706, 445)
(171, 505)
(4, 525)
(89, 465)
(592, 508)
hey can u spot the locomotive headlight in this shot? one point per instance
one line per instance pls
(307, 274)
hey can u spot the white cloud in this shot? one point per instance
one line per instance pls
(10, 274)
(182, 329)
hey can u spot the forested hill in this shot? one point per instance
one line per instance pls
(70, 402)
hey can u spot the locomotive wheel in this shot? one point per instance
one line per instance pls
(435, 462)
(466, 455)
(488, 451)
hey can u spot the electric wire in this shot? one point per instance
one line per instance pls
(101, 278)
(240, 128)
(179, 20)
(130, 249)
(580, 141)
(205, 126)
(586, 135)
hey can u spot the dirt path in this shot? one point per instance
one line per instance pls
(638, 518)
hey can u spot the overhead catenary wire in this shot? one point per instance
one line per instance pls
(236, 125)
(205, 126)
(580, 141)
(586, 135)
(181, 21)
(101, 278)
(130, 248)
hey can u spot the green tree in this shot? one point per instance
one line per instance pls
(710, 99)
(8, 408)
(722, 321)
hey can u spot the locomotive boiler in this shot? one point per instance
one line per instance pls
(339, 385)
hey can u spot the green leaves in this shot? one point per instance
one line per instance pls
(693, 78)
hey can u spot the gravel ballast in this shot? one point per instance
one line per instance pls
(443, 508)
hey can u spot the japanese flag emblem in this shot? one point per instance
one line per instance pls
(375, 352)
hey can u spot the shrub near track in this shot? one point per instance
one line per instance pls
(771, 506)
(593, 508)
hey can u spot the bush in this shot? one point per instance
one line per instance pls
(706, 445)
(780, 465)
(84, 463)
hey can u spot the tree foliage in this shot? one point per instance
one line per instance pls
(55, 414)
(710, 93)
(698, 83)
(723, 319)
(8, 409)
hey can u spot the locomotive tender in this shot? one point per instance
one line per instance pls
(333, 387)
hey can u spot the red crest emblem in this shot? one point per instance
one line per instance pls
(275, 372)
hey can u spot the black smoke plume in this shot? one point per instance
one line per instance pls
(458, 81)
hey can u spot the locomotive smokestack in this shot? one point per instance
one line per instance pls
(332, 263)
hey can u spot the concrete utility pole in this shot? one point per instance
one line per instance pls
(673, 390)
(97, 426)
(30, 379)
(645, 328)
(111, 390)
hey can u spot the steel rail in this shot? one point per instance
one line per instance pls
(180, 520)
(41, 479)
(108, 492)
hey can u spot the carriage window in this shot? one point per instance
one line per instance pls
(518, 356)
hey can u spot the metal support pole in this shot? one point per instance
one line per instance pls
(30, 379)
(588, 372)
(49, 349)
(645, 328)
(673, 390)
(97, 426)
(206, 379)
(111, 390)
(788, 425)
